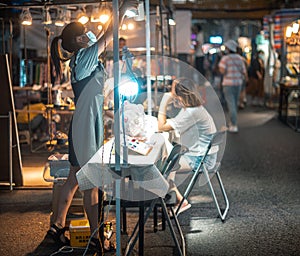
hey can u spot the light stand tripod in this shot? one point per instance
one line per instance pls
(50, 144)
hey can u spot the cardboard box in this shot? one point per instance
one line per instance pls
(79, 232)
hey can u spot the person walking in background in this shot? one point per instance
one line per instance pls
(86, 129)
(218, 77)
(256, 72)
(276, 76)
(199, 54)
(243, 98)
(234, 72)
(122, 43)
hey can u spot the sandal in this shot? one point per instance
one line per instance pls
(185, 206)
(58, 235)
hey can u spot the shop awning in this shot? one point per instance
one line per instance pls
(281, 19)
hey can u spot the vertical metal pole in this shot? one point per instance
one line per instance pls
(10, 152)
(25, 53)
(161, 28)
(162, 71)
(116, 83)
(175, 41)
(148, 57)
(117, 121)
(10, 45)
(27, 91)
(3, 36)
(49, 87)
(169, 35)
(157, 29)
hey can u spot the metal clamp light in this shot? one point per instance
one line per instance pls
(26, 18)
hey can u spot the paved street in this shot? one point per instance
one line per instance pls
(261, 174)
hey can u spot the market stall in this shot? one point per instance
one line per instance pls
(282, 29)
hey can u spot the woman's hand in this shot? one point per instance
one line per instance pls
(162, 117)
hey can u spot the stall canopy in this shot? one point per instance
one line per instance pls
(280, 19)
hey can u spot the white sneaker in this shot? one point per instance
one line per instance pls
(233, 128)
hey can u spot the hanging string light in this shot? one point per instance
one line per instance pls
(171, 20)
(105, 14)
(95, 17)
(46, 16)
(82, 17)
(68, 16)
(26, 18)
(60, 18)
(295, 27)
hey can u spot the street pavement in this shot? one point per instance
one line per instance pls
(261, 175)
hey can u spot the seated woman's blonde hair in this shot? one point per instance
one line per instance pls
(188, 91)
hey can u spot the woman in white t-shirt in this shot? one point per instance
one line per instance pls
(193, 124)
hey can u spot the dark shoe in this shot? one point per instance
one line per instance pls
(58, 235)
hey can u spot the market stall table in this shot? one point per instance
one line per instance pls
(142, 170)
(289, 105)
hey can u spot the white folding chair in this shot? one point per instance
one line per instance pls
(216, 140)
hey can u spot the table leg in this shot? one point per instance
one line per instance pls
(141, 228)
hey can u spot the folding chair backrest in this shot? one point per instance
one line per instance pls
(173, 158)
(216, 140)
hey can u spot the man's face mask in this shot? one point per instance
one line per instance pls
(92, 38)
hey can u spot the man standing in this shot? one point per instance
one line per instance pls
(199, 59)
(234, 72)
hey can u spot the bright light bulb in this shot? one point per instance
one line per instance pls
(295, 28)
(172, 22)
(128, 86)
(27, 22)
(60, 19)
(47, 17)
(95, 15)
(104, 18)
(26, 18)
(130, 26)
(83, 19)
(246, 49)
(100, 27)
(289, 31)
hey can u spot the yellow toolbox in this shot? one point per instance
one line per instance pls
(79, 232)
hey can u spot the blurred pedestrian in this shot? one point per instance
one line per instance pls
(234, 72)
(275, 64)
(243, 98)
(218, 77)
(199, 54)
(256, 72)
